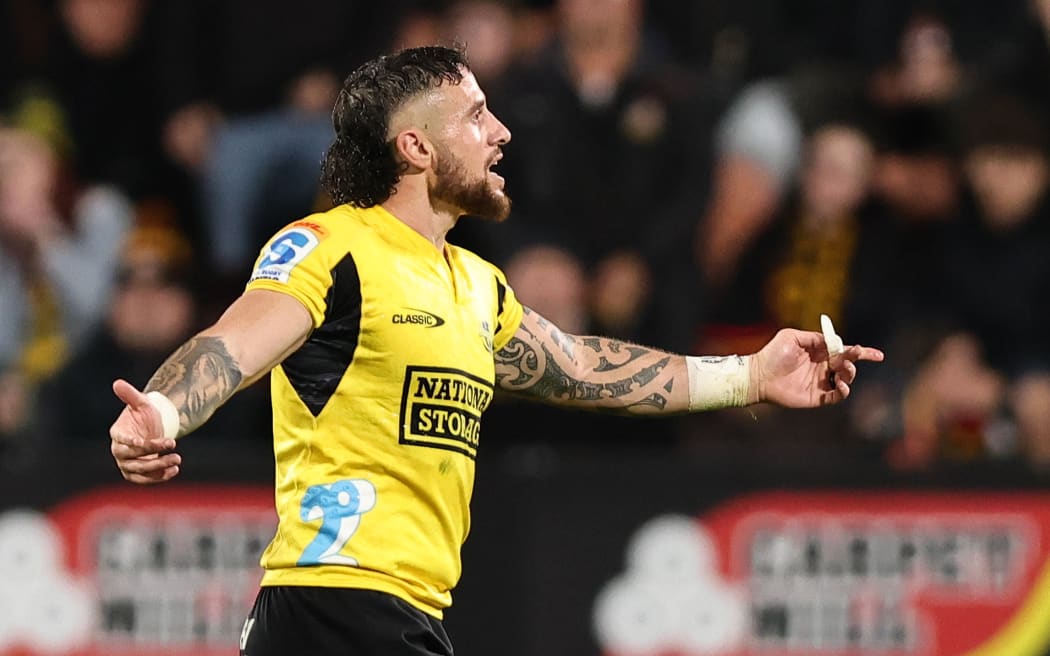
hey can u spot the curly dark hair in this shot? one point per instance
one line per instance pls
(360, 166)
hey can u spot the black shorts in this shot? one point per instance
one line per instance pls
(312, 621)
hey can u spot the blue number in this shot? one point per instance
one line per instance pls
(339, 506)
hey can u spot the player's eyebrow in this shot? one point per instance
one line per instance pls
(477, 106)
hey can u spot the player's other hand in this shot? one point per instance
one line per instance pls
(794, 370)
(137, 439)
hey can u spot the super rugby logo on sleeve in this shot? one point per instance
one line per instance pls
(282, 254)
(441, 408)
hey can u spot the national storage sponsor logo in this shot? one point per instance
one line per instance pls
(441, 408)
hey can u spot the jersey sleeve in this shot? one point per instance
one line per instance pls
(508, 312)
(297, 261)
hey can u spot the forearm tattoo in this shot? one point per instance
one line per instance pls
(586, 372)
(199, 377)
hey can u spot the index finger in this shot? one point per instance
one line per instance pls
(858, 352)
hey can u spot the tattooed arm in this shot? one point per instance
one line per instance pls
(595, 373)
(256, 332)
(793, 369)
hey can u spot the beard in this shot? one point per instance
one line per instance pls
(453, 186)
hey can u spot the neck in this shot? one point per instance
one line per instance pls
(415, 210)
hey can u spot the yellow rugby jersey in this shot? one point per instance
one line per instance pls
(376, 417)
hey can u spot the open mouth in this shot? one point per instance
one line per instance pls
(492, 165)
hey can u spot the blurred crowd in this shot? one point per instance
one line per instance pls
(691, 175)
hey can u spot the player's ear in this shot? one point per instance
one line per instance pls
(414, 149)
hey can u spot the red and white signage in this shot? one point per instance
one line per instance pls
(837, 574)
(132, 571)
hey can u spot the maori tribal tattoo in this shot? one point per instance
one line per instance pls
(199, 377)
(585, 372)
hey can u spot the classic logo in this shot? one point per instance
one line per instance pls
(418, 318)
(441, 408)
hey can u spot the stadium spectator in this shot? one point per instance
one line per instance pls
(487, 29)
(820, 252)
(609, 161)
(57, 244)
(103, 73)
(993, 367)
(926, 69)
(154, 308)
(916, 191)
(757, 150)
(823, 251)
(250, 121)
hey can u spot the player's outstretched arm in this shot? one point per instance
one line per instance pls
(598, 373)
(256, 332)
(594, 373)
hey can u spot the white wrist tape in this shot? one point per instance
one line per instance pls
(718, 382)
(169, 414)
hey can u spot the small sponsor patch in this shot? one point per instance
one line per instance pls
(321, 231)
(282, 255)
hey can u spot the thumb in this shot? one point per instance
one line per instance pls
(127, 393)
